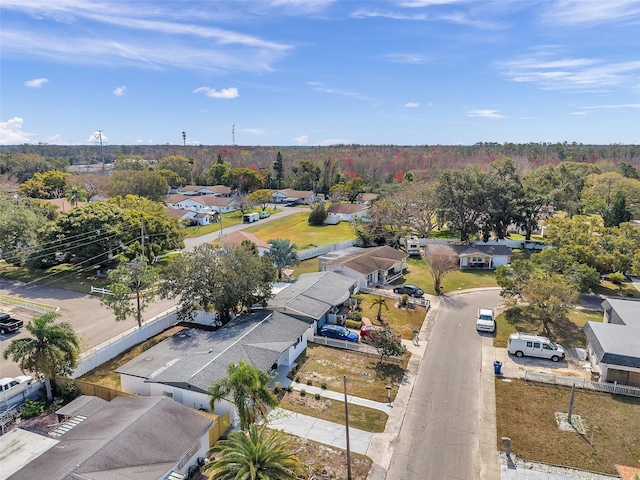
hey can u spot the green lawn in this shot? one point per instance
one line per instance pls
(306, 266)
(228, 219)
(400, 321)
(566, 331)
(61, 276)
(419, 274)
(626, 289)
(297, 229)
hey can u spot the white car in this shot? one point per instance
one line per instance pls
(485, 321)
(9, 387)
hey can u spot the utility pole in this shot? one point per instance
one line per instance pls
(98, 135)
(233, 134)
(142, 239)
(346, 421)
(184, 139)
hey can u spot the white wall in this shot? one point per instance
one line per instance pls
(289, 356)
(131, 384)
(203, 447)
(348, 272)
(500, 260)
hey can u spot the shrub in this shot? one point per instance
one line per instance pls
(69, 391)
(317, 396)
(303, 392)
(616, 278)
(297, 379)
(309, 382)
(318, 215)
(31, 409)
(404, 300)
(355, 315)
(323, 386)
(277, 387)
(353, 324)
(289, 389)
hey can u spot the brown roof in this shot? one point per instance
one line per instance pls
(346, 208)
(371, 259)
(177, 212)
(289, 192)
(219, 189)
(236, 238)
(209, 200)
(174, 198)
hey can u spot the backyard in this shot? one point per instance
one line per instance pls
(418, 273)
(526, 414)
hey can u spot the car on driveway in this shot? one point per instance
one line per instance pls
(485, 320)
(339, 332)
(410, 290)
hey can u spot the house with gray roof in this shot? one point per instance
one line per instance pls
(368, 266)
(142, 438)
(614, 344)
(476, 256)
(316, 298)
(184, 365)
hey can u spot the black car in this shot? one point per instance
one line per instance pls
(410, 290)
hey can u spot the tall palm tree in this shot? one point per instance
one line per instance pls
(249, 389)
(283, 253)
(379, 302)
(258, 454)
(75, 195)
(51, 350)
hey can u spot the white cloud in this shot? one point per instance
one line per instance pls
(580, 12)
(411, 104)
(484, 113)
(411, 58)
(36, 82)
(11, 132)
(609, 107)
(55, 139)
(95, 137)
(119, 91)
(319, 87)
(226, 93)
(580, 114)
(301, 140)
(335, 141)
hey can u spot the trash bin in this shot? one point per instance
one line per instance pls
(497, 368)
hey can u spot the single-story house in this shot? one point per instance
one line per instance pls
(614, 345)
(202, 203)
(197, 190)
(366, 198)
(346, 212)
(236, 238)
(184, 365)
(192, 218)
(317, 298)
(368, 266)
(298, 196)
(477, 256)
(146, 438)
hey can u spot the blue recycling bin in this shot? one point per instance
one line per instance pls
(497, 368)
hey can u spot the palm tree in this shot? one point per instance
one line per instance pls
(283, 253)
(380, 302)
(249, 388)
(75, 195)
(51, 350)
(258, 454)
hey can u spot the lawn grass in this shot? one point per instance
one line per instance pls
(609, 289)
(297, 229)
(305, 266)
(364, 418)
(105, 374)
(418, 273)
(400, 321)
(366, 377)
(62, 276)
(566, 331)
(228, 220)
(326, 462)
(525, 413)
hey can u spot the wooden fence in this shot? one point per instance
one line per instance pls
(88, 388)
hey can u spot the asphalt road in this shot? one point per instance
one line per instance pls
(92, 322)
(440, 435)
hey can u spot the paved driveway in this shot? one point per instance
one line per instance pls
(91, 321)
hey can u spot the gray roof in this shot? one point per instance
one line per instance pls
(196, 358)
(614, 344)
(126, 439)
(366, 260)
(313, 294)
(83, 405)
(625, 311)
(492, 250)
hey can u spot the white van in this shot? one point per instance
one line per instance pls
(485, 321)
(521, 344)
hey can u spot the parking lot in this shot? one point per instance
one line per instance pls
(92, 322)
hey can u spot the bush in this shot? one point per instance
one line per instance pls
(277, 387)
(309, 382)
(616, 278)
(355, 315)
(353, 324)
(289, 389)
(317, 396)
(31, 409)
(68, 391)
(303, 392)
(404, 300)
(297, 379)
(318, 215)
(323, 386)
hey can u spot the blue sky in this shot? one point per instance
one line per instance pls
(320, 72)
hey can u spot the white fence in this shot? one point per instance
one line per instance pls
(27, 305)
(110, 349)
(585, 383)
(317, 251)
(412, 302)
(523, 244)
(101, 291)
(345, 345)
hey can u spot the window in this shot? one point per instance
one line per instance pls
(536, 345)
(529, 344)
(546, 346)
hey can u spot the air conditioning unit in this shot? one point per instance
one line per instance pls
(167, 394)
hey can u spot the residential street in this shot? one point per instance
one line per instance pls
(440, 435)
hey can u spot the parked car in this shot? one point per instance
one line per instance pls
(339, 332)
(521, 344)
(485, 321)
(410, 290)
(10, 387)
(8, 324)
(264, 214)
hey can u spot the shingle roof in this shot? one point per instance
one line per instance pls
(492, 250)
(289, 192)
(313, 294)
(237, 237)
(614, 344)
(83, 405)
(219, 189)
(196, 358)
(126, 439)
(346, 208)
(367, 260)
(626, 311)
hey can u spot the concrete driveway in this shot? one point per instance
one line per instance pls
(91, 321)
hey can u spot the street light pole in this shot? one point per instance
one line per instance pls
(346, 422)
(98, 135)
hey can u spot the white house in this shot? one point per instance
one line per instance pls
(192, 218)
(201, 203)
(149, 438)
(346, 212)
(298, 196)
(184, 365)
(477, 256)
(614, 345)
(197, 190)
(368, 266)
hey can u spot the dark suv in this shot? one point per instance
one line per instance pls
(410, 290)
